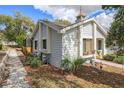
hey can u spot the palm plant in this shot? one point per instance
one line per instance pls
(78, 62)
(72, 65)
(66, 63)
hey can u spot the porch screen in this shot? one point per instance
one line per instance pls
(87, 46)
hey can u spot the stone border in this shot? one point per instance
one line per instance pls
(3, 68)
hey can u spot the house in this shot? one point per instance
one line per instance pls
(81, 39)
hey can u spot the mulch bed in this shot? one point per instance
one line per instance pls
(87, 76)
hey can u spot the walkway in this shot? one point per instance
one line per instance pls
(109, 63)
(17, 72)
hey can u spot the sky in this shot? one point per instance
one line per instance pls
(67, 12)
(28, 10)
(50, 12)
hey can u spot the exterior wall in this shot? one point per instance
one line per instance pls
(56, 48)
(44, 31)
(90, 30)
(99, 34)
(87, 30)
(69, 45)
(45, 34)
(36, 37)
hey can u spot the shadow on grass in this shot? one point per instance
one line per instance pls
(101, 77)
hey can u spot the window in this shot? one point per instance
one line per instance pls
(36, 44)
(87, 46)
(44, 44)
(99, 44)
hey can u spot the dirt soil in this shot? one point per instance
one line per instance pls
(87, 77)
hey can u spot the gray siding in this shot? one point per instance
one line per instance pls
(36, 38)
(56, 49)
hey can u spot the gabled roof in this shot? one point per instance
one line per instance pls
(81, 23)
(49, 24)
(62, 29)
(52, 25)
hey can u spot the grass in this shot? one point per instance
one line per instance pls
(47, 76)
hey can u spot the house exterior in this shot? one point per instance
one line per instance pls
(81, 39)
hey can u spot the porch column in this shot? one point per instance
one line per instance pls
(39, 45)
(104, 47)
(94, 40)
(81, 41)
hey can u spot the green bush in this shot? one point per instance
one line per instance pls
(119, 59)
(78, 62)
(109, 57)
(66, 63)
(33, 61)
(1, 46)
(72, 65)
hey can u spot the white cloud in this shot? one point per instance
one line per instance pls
(105, 19)
(65, 12)
(59, 12)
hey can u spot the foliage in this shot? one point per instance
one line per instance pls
(109, 57)
(16, 28)
(110, 6)
(62, 22)
(115, 37)
(6, 26)
(20, 39)
(78, 63)
(33, 61)
(119, 59)
(99, 54)
(66, 63)
(72, 65)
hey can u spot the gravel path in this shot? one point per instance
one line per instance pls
(17, 72)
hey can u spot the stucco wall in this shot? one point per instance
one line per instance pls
(99, 34)
(69, 43)
(87, 30)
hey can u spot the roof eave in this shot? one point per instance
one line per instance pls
(49, 25)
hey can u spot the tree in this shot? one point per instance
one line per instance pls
(62, 22)
(20, 39)
(115, 37)
(23, 25)
(6, 26)
(110, 6)
(16, 28)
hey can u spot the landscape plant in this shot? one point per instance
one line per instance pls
(109, 57)
(33, 61)
(119, 59)
(72, 65)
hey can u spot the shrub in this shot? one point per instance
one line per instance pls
(72, 65)
(78, 62)
(109, 57)
(119, 59)
(33, 61)
(66, 63)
